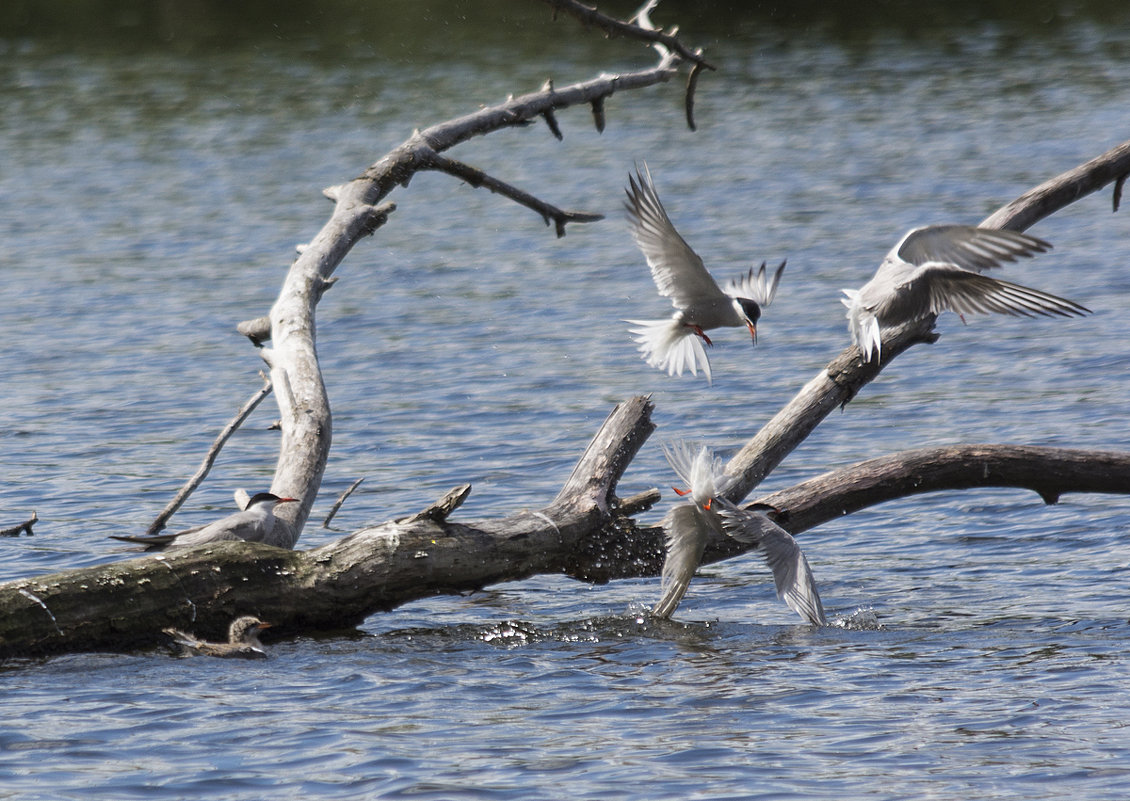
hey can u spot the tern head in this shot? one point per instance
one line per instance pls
(267, 499)
(246, 628)
(750, 311)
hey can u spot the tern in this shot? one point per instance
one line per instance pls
(689, 525)
(256, 523)
(937, 268)
(676, 344)
(243, 640)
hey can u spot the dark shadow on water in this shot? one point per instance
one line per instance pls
(399, 28)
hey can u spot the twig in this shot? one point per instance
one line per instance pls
(159, 523)
(614, 27)
(25, 526)
(477, 178)
(340, 501)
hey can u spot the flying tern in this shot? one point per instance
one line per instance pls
(243, 640)
(938, 268)
(676, 344)
(689, 525)
(256, 523)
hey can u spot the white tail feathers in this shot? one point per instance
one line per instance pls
(702, 471)
(864, 326)
(669, 345)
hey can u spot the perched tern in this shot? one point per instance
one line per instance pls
(256, 523)
(676, 344)
(689, 525)
(243, 640)
(937, 268)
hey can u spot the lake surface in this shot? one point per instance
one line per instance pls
(155, 180)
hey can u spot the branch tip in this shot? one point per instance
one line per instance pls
(554, 128)
(598, 114)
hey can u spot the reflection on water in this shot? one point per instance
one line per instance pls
(151, 196)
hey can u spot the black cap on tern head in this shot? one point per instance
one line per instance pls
(267, 497)
(751, 308)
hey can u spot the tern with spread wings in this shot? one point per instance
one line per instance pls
(689, 525)
(938, 268)
(676, 344)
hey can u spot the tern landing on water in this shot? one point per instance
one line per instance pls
(256, 523)
(676, 344)
(243, 640)
(689, 525)
(937, 268)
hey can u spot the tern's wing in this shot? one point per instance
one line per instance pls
(935, 287)
(687, 526)
(756, 286)
(792, 576)
(245, 525)
(677, 270)
(966, 246)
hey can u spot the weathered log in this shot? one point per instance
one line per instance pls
(1049, 472)
(585, 532)
(127, 604)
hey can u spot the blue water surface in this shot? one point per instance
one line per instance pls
(150, 200)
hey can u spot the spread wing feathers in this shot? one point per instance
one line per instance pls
(677, 270)
(671, 346)
(936, 288)
(795, 583)
(687, 527)
(756, 287)
(966, 246)
(702, 471)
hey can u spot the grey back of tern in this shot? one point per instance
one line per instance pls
(256, 523)
(938, 268)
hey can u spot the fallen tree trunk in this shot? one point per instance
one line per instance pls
(585, 533)
(126, 604)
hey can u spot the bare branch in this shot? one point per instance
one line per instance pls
(1062, 190)
(22, 528)
(477, 178)
(845, 375)
(588, 15)
(209, 459)
(1049, 472)
(340, 501)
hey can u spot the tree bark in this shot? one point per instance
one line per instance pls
(126, 604)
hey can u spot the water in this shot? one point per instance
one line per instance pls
(150, 199)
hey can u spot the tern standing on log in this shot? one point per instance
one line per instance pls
(689, 525)
(256, 523)
(937, 268)
(243, 640)
(676, 344)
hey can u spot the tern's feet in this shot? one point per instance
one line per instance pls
(702, 334)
